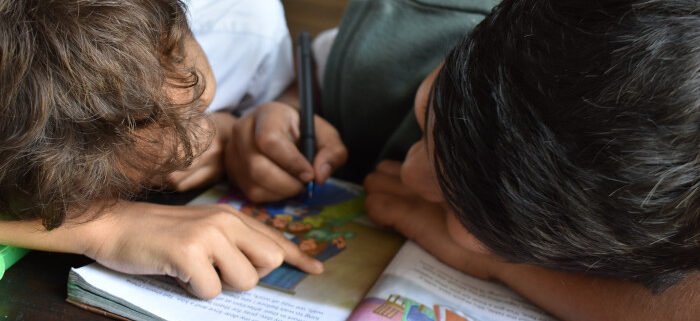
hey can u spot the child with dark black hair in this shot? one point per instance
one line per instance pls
(561, 144)
(563, 135)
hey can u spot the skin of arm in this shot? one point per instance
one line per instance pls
(579, 297)
(185, 242)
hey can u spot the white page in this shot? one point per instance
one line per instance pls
(415, 275)
(165, 299)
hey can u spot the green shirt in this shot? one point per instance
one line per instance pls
(383, 51)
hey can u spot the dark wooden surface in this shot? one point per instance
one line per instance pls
(35, 289)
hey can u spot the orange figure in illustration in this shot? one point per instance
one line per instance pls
(339, 242)
(280, 221)
(308, 246)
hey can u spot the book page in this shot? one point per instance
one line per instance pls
(416, 286)
(165, 299)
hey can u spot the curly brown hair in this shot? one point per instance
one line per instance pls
(85, 113)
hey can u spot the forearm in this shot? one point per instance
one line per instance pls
(67, 238)
(575, 297)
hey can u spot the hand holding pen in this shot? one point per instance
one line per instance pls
(263, 157)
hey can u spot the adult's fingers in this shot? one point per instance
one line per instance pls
(331, 152)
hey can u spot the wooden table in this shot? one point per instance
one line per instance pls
(35, 287)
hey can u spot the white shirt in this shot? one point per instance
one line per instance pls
(248, 47)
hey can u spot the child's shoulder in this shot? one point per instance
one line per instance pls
(256, 17)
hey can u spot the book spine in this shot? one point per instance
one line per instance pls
(9, 255)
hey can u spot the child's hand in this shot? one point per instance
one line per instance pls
(208, 168)
(263, 157)
(391, 203)
(191, 243)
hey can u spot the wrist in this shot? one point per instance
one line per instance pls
(223, 125)
(73, 236)
(93, 236)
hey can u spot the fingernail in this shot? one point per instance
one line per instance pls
(325, 170)
(318, 266)
(306, 176)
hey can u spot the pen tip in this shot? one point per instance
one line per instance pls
(310, 189)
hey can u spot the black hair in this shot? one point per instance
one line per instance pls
(567, 136)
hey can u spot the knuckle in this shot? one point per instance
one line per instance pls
(256, 194)
(179, 187)
(372, 203)
(222, 207)
(383, 164)
(258, 171)
(273, 259)
(269, 140)
(342, 152)
(191, 249)
(210, 292)
(376, 205)
(370, 182)
(226, 219)
(247, 283)
(238, 127)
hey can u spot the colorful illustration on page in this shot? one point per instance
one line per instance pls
(309, 222)
(399, 308)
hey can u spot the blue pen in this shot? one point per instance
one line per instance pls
(306, 108)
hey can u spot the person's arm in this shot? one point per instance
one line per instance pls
(209, 167)
(189, 243)
(67, 238)
(570, 297)
(578, 297)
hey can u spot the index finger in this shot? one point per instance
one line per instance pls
(292, 254)
(281, 148)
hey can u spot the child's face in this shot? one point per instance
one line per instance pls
(195, 57)
(418, 171)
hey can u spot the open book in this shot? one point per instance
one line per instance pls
(369, 275)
